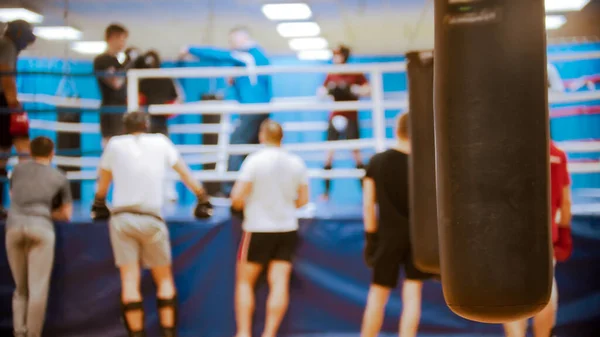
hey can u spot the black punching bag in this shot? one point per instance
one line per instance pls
(492, 157)
(423, 206)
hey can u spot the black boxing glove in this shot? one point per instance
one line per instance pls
(99, 209)
(370, 248)
(204, 209)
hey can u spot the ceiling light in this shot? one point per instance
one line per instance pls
(315, 55)
(309, 43)
(89, 47)
(11, 14)
(57, 33)
(555, 21)
(292, 11)
(565, 5)
(298, 29)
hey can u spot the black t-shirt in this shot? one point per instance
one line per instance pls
(158, 90)
(389, 170)
(110, 96)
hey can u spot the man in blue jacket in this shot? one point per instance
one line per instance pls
(254, 88)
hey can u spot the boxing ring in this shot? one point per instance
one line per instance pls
(330, 280)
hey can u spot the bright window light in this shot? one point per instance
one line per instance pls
(565, 5)
(58, 33)
(315, 55)
(89, 47)
(292, 11)
(555, 21)
(11, 14)
(298, 29)
(309, 43)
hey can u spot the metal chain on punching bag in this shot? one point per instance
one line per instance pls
(492, 143)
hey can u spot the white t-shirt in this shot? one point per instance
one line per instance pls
(276, 176)
(139, 165)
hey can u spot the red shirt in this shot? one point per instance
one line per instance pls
(348, 80)
(559, 178)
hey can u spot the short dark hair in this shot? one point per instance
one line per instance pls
(344, 50)
(114, 29)
(403, 128)
(135, 122)
(41, 147)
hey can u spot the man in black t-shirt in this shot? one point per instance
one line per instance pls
(157, 91)
(112, 87)
(387, 240)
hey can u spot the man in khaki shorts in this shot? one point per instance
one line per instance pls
(137, 163)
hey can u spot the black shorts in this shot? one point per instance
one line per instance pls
(389, 259)
(262, 248)
(6, 139)
(111, 124)
(352, 131)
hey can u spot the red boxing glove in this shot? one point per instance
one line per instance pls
(171, 102)
(19, 124)
(564, 245)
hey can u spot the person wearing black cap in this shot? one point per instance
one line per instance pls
(343, 124)
(14, 125)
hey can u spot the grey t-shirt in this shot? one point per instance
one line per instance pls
(8, 55)
(34, 188)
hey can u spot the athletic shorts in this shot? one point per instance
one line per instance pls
(6, 139)
(352, 131)
(139, 238)
(389, 259)
(111, 124)
(262, 248)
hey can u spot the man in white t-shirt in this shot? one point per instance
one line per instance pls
(136, 163)
(272, 184)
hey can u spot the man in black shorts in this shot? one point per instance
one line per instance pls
(14, 126)
(272, 184)
(112, 85)
(387, 240)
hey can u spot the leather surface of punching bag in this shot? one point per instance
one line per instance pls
(492, 157)
(423, 205)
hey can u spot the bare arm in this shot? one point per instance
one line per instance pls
(188, 180)
(369, 201)
(302, 196)
(565, 208)
(9, 85)
(241, 190)
(104, 180)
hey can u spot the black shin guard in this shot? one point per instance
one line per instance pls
(327, 181)
(168, 303)
(133, 306)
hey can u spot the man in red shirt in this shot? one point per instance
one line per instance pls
(543, 322)
(343, 124)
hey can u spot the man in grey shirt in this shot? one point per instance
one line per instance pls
(14, 126)
(39, 195)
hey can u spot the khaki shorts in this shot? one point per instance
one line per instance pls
(139, 238)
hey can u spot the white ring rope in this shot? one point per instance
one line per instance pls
(203, 154)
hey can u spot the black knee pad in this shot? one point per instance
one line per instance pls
(133, 306)
(165, 303)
